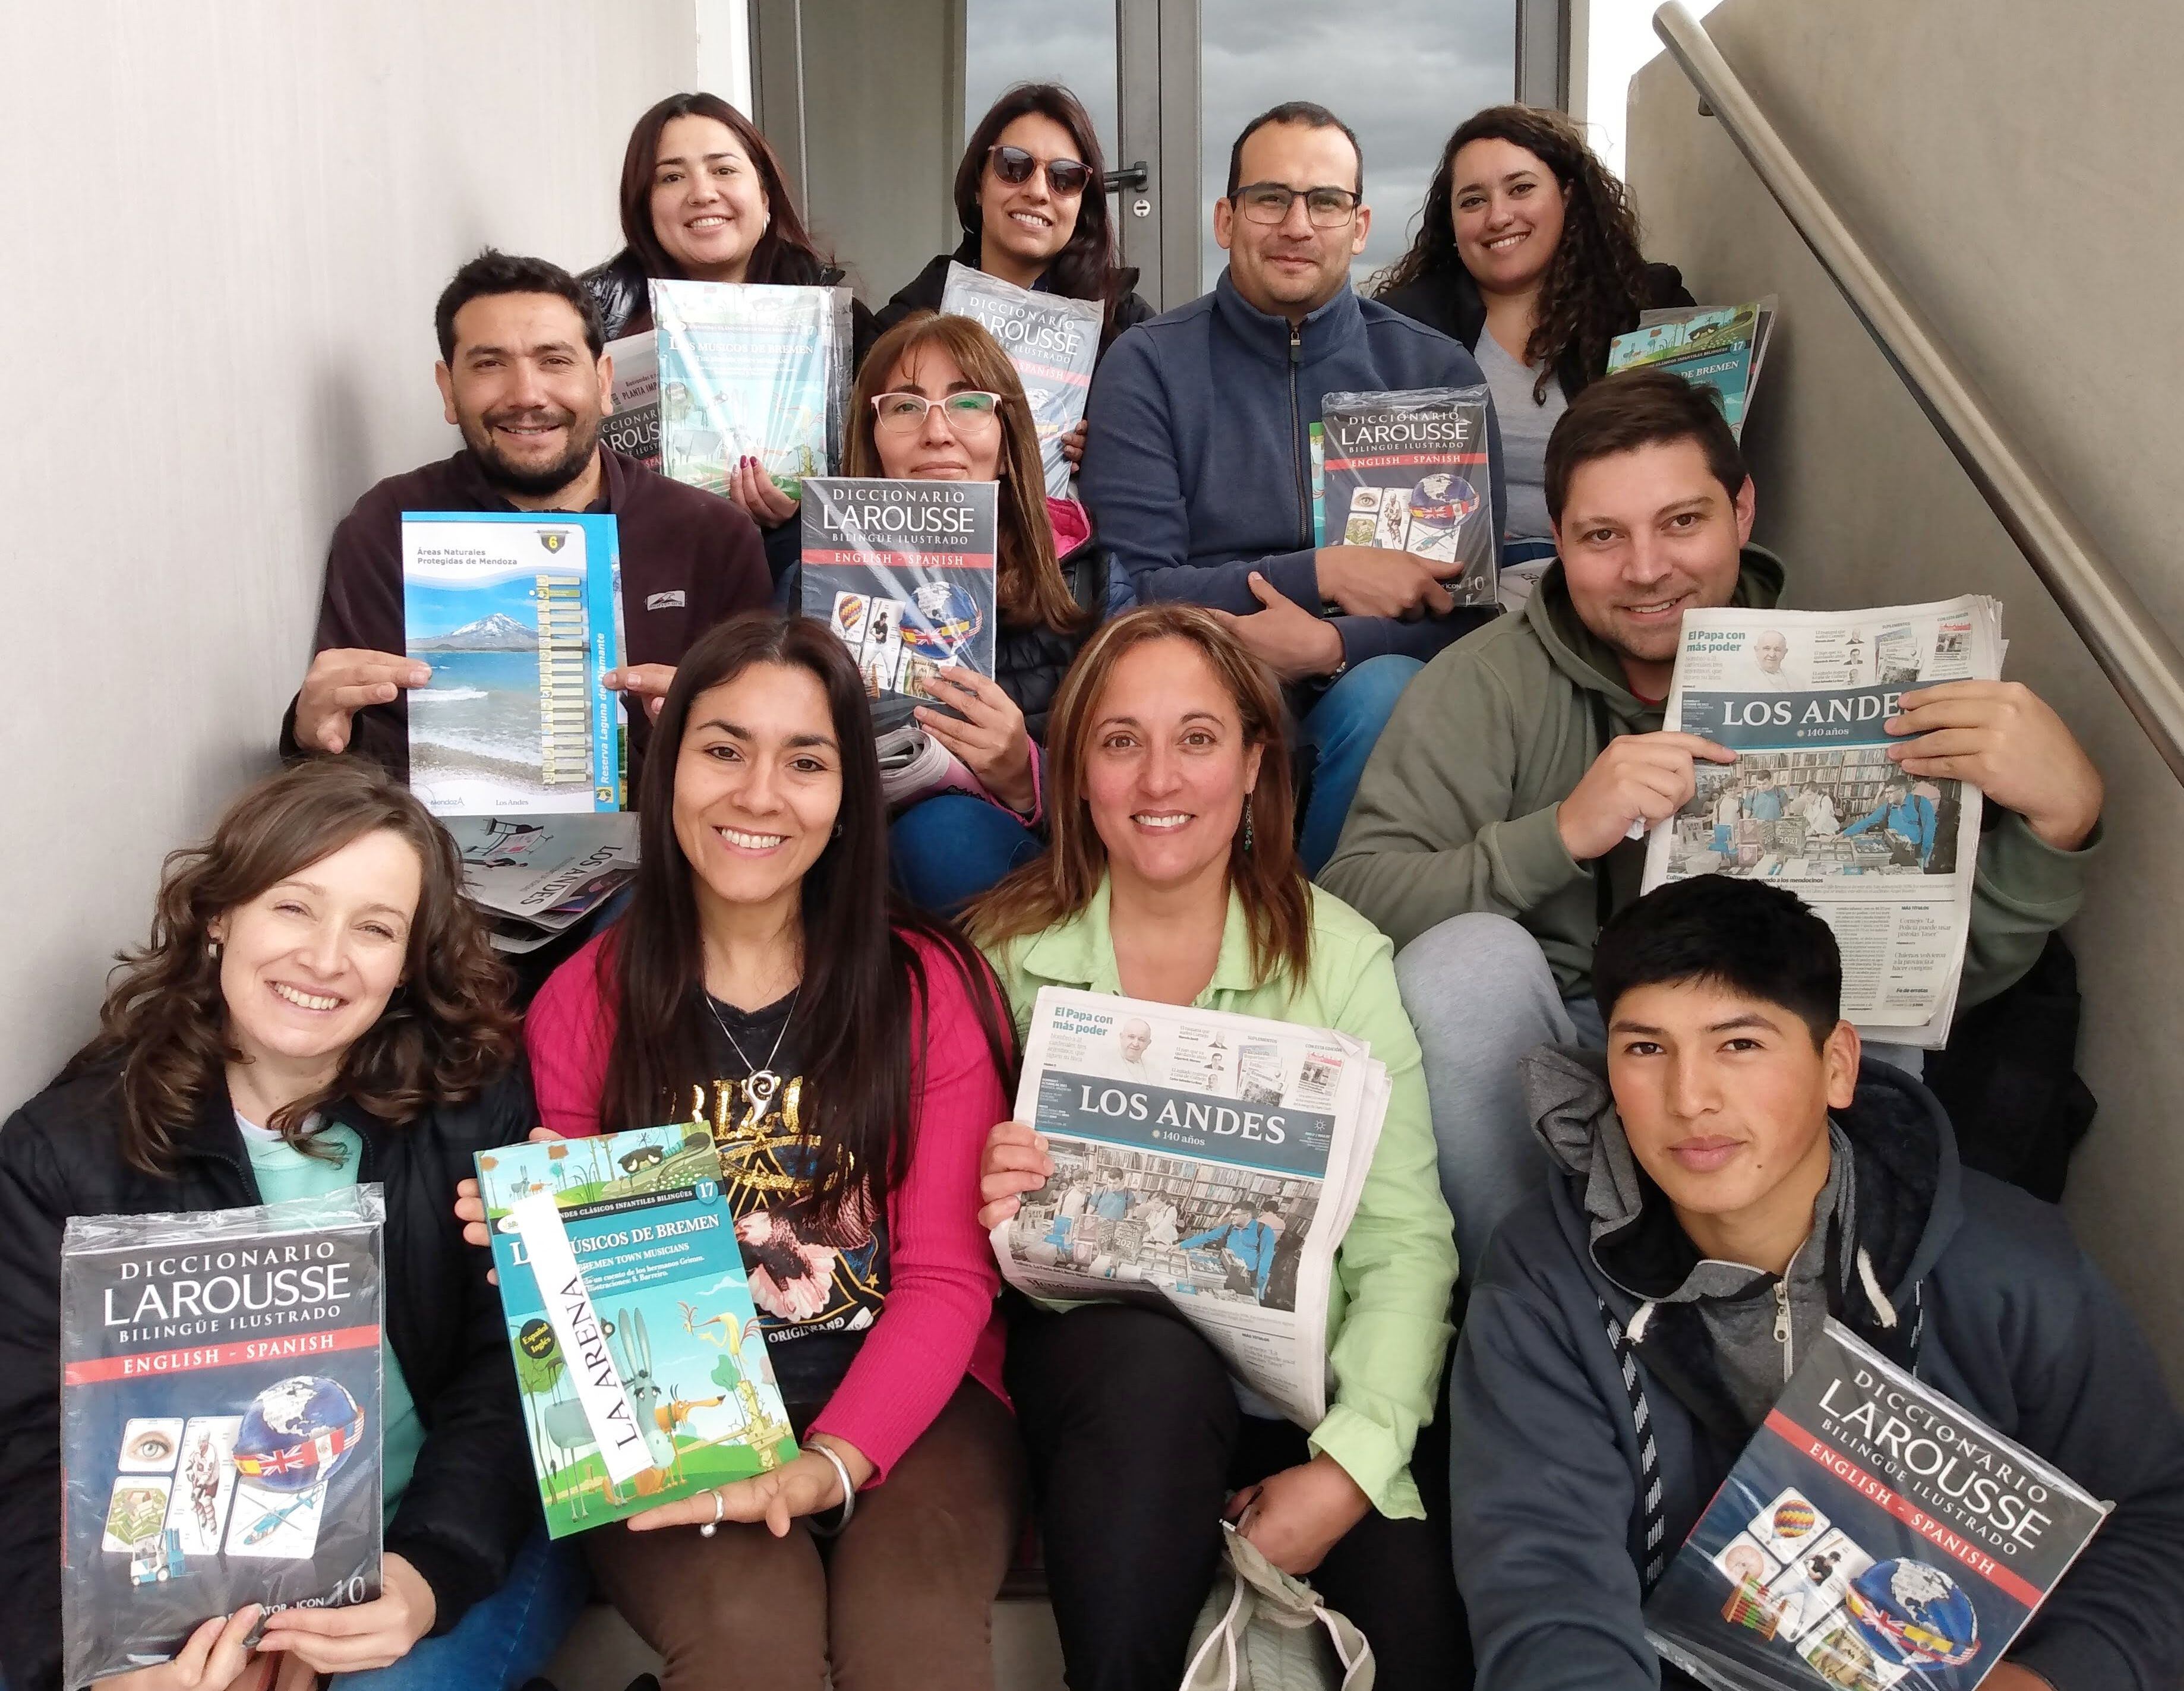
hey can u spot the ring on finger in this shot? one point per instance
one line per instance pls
(720, 1511)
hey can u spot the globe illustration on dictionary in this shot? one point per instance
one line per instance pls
(297, 1433)
(1913, 1615)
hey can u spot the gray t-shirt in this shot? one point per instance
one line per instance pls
(1526, 424)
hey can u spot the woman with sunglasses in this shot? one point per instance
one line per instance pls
(705, 200)
(1032, 195)
(938, 399)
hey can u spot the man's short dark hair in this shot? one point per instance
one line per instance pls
(1637, 408)
(495, 272)
(1306, 113)
(1756, 941)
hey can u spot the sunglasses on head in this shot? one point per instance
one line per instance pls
(1013, 165)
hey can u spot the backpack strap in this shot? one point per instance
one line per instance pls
(1653, 1500)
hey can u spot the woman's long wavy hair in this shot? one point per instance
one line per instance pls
(1028, 588)
(1086, 267)
(1268, 876)
(785, 253)
(1596, 287)
(447, 1030)
(858, 1045)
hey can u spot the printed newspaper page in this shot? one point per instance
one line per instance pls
(1206, 1161)
(1812, 802)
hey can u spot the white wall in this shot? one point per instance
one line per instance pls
(2017, 173)
(227, 221)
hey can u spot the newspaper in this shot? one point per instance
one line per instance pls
(1203, 1161)
(1812, 802)
(536, 877)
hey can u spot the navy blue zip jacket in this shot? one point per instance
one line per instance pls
(1988, 1298)
(1198, 465)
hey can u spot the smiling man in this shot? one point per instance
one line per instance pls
(1725, 1179)
(522, 375)
(1198, 465)
(1501, 819)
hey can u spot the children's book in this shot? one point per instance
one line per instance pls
(750, 371)
(520, 618)
(1872, 1534)
(903, 573)
(1407, 470)
(219, 1421)
(641, 1363)
(1052, 341)
(1720, 348)
(632, 428)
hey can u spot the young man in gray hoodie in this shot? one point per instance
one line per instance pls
(1500, 820)
(1725, 1177)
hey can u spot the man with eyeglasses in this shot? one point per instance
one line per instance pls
(1198, 467)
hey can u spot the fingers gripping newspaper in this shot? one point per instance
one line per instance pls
(1812, 802)
(1204, 1161)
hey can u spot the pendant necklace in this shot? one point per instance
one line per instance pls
(762, 1083)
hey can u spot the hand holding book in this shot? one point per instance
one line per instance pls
(1372, 581)
(361, 1638)
(807, 1485)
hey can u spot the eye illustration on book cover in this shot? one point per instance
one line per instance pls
(1405, 471)
(639, 1358)
(219, 1421)
(1873, 1535)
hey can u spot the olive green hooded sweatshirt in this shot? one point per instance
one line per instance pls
(1456, 810)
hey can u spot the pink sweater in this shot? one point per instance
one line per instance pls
(939, 1322)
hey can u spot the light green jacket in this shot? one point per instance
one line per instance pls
(1387, 1314)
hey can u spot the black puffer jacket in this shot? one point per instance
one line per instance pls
(1029, 663)
(925, 290)
(1451, 303)
(471, 1503)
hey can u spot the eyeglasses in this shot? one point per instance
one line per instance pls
(1014, 166)
(1270, 203)
(905, 413)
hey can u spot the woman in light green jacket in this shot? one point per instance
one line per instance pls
(1173, 877)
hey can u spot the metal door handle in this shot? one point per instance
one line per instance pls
(1137, 175)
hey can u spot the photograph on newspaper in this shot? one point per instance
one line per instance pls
(1815, 803)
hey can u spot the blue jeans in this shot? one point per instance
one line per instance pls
(503, 1639)
(948, 849)
(1343, 727)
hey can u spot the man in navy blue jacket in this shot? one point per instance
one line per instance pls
(1197, 464)
(1726, 1177)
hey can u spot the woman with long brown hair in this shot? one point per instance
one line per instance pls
(704, 199)
(1173, 878)
(845, 1052)
(1527, 252)
(938, 399)
(317, 1006)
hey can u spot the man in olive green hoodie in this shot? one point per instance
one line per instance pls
(1501, 819)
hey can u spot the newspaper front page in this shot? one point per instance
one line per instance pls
(1812, 802)
(1204, 1161)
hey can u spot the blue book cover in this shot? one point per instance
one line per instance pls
(640, 1360)
(1873, 1535)
(1708, 349)
(519, 616)
(219, 1421)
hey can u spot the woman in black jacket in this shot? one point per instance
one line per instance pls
(705, 200)
(1031, 194)
(1527, 252)
(316, 1007)
(939, 400)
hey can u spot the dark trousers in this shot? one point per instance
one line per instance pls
(1134, 1442)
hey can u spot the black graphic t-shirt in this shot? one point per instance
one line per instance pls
(818, 1283)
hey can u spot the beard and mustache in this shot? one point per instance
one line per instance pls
(539, 482)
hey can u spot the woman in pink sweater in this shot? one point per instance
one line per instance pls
(847, 1055)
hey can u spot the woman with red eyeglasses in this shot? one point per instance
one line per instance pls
(1032, 196)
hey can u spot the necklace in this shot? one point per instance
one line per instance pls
(759, 1084)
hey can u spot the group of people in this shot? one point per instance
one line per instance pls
(1628, 1119)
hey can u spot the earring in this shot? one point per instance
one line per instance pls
(1247, 821)
(838, 830)
(212, 949)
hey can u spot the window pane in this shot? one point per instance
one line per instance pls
(1008, 41)
(1401, 73)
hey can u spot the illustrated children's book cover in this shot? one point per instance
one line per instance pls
(1053, 341)
(1407, 471)
(1720, 349)
(219, 1421)
(643, 1369)
(1873, 1535)
(903, 573)
(519, 617)
(749, 371)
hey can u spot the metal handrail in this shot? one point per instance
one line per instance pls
(2131, 648)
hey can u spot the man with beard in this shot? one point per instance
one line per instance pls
(521, 375)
